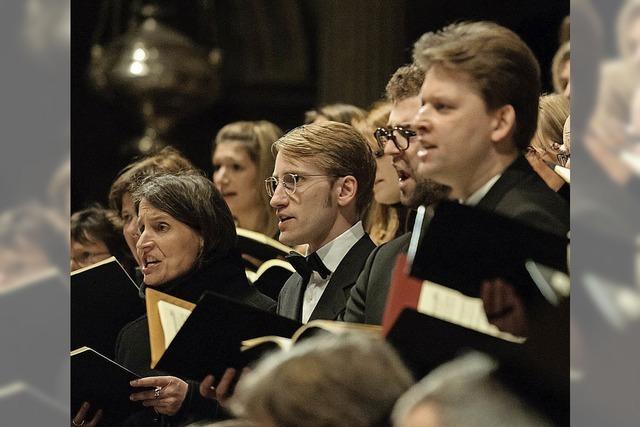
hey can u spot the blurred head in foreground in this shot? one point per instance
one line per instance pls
(348, 380)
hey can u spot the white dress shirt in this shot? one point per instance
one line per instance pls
(475, 198)
(331, 255)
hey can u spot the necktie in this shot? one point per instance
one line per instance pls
(306, 266)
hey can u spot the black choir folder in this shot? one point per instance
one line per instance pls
(536, 368)
(103, 383)
(460, 246)
(271, 276)
(259, 246)
(424, 341)
(218, 333)
(103, 300)
(206, 339)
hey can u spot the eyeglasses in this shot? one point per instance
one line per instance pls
(289, 182)
(563, 158)
(401, 140)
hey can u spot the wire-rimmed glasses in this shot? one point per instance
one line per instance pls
(289, 182)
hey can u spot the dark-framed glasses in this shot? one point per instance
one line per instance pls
(289, 181)
(400, 136)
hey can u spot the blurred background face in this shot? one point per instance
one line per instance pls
(87, 253)
(235, 177)
(130, 224)
(386, 189)
(167, 248)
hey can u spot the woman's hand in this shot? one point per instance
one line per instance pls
(81, 417)
(224, 390)
(166, 397)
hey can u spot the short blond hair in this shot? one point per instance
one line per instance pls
(501, 66)
(336, 148)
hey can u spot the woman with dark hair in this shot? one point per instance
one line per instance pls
(187, 245)
(167, 160)
(96, 234)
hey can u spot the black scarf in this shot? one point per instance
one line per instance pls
(224, 275)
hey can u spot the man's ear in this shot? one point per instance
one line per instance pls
(503, 123)
(347, 190)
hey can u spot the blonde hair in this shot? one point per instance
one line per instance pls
(256, 137)
(381, 221)
(336, 148)
(554, 110)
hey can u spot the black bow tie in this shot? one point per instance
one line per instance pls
(305, 266)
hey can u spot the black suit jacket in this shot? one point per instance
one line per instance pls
(332, 302)
(369, 296)
(519, 193)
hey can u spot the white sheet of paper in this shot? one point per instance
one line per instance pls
(172, 318)
(452, 306)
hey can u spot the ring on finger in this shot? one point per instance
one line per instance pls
(76, 424)
(156, 392)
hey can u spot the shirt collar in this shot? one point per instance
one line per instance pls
(332, 253)
(475, 198)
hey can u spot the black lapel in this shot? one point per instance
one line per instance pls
(290, 304)
(509, 178)
(334, 297)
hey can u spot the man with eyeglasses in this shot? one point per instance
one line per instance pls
(322, 183)
(368, 297)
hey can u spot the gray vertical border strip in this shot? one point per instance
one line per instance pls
(604, 223)
(34, 212)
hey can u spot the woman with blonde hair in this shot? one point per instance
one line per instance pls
(242, 160)
(546, 151)
(386, 217)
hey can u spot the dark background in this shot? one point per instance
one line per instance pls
(281, 58)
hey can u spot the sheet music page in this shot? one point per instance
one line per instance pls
(172, 318)
(452, 306)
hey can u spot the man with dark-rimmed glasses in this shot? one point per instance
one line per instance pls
(322, 183)
(368, 298)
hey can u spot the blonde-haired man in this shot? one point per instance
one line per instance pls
(322, 183)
